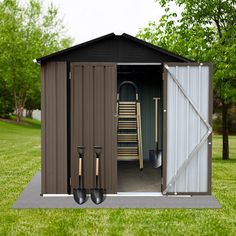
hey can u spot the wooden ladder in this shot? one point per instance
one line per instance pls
(129, 136)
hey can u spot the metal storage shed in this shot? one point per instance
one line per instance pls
(79, 107)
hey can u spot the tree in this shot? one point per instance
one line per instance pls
(204, 31)
(27, 32)
(6, 101)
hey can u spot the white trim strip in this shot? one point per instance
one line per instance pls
(57, 195)
(119, 194)
(141, 194)
(138, 64)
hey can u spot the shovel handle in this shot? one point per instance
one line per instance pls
(97, 166)
(156, 118)
(80, 166)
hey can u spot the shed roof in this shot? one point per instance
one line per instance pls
(114, 48)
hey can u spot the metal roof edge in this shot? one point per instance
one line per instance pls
(74, 47)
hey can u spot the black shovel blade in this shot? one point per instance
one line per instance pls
(80, 195)
(97, 195)
(155, 158)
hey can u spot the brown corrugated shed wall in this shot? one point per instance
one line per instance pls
(54, 127)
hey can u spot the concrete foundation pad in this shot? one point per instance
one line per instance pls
(30, 198)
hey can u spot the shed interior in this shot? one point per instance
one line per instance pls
(148, 79)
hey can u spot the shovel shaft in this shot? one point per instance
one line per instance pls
(97, 166)
(80, 166)
(156, 118)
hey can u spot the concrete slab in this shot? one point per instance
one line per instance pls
(30, 198)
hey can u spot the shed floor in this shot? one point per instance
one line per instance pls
(30, 198)
(131, 179)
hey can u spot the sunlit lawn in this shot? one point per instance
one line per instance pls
(20, 160)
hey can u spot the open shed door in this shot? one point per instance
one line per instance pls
(187, 128)
(93, 122)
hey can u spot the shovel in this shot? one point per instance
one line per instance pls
(155, 156)
(97, 193)
(80, 192)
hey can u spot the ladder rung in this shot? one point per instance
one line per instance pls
(127, 152)
(127, 107)
(126, 102)
(128, 155)
(127, 139)
(127, 116)
(127, 125)
(127, 110)
(127, 158)
(127, 128)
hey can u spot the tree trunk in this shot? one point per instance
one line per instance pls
(29, 113)
(19, 105)
(19, 113)
(225, 149)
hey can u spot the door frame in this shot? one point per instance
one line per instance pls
(162, 169)
(164, 77)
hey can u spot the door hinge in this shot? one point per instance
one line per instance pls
(70, 75)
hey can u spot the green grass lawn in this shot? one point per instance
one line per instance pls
(20, 159)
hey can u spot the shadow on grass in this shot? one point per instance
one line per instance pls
(25, 122)
(219, 159)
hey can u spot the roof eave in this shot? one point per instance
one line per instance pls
(73, 47)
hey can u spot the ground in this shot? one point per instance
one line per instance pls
(20, 160)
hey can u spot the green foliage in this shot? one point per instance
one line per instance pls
(205, 31)
(6, 100)
(27, 32)
(20, 160)
(231, 122)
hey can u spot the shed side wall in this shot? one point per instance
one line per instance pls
(54, 127)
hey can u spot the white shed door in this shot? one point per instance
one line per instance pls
(187, 129)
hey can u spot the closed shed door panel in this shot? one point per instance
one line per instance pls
(93, 121)
(188, 132)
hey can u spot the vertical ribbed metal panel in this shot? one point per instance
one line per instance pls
(54, 127)
(186, 129)
(93, 108)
